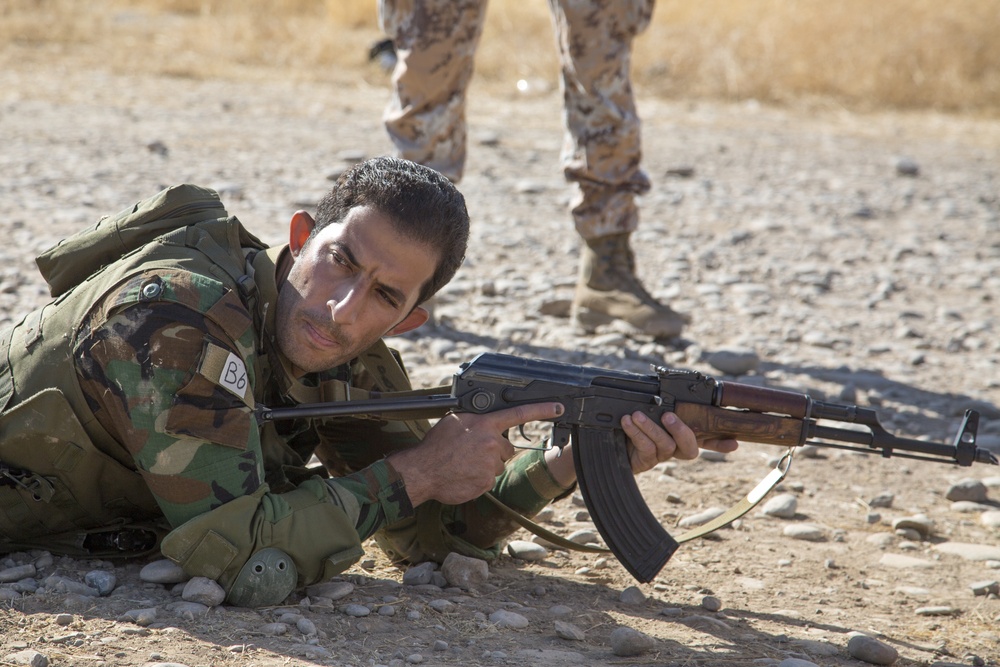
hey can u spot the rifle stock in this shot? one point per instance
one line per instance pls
(596, 399)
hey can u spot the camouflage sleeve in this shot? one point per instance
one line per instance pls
(353, 451)
(168, 371)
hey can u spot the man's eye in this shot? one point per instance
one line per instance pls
(338, 258)
(389, 299)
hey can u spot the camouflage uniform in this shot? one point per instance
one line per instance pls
(435, 43)
(167, 354)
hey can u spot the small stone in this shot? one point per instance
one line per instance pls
(332, 590)
(734, 361)
(989, 587)
(967, 489)
(805, 531)
(306, 627)
(163, 571)
(940, 610)
(969, 551)
(783, 506)
(529, 551)
(141, 617)
(871, 650)
(881, 539)
(442, 606)
(883, 500)
(919, 523)
(701, 517)
(711, 603)
(17, 573)
(101, 580)
(796, 662)
(969, 507)
(274, 629)
(307, 651)
(188, 609)
(583, 536)
(64, 619)
(632, 595)
(627, 642)
(419, 574)
(815, 648)
(356, 610)
(203, 591)
(569, 631)
(63, 585)
(906, 166)
(508, 619)
(529, 187)
(465, 572)
(681, 171)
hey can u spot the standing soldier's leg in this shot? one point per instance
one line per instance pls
(601, 154)
(435, 44)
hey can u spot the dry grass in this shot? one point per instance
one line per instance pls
(862, 54)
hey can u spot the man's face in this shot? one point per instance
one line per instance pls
(350, 285)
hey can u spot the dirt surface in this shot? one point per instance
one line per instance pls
(791, 236)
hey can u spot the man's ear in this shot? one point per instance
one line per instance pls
(299, 229)
(416, 317)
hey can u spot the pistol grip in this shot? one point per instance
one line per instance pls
(630, 530)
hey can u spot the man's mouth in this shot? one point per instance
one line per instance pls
(322, 338)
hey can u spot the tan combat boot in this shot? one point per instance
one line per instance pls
(609, 290)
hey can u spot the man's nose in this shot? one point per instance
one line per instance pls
(345, 306)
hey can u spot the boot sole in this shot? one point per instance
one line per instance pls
(588, 320)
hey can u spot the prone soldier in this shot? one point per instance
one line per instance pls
(127, 403)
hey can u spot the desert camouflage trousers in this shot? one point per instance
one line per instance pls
(436, 43)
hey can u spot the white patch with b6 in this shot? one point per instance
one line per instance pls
(224, 368)
(233, 375)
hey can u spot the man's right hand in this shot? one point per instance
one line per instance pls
(462, 455)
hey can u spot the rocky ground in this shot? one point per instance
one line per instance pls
(853, 257)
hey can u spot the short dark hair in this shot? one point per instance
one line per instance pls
(422, 205)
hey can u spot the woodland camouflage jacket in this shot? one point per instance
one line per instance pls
(161, 357)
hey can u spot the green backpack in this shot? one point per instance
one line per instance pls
(58, 489)
(79, 256)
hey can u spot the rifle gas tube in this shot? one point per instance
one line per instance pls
(596, 399)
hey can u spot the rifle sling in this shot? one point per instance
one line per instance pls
(747, 503)
(544, 533)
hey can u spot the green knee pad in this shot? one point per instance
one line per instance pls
(267, 579)
(237, 541)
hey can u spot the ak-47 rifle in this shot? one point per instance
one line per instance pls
(596, 399)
